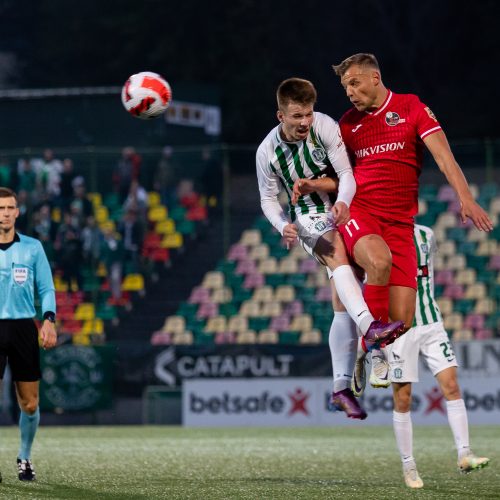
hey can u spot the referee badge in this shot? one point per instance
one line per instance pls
(20, 274)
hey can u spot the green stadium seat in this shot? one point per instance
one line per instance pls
(428, 192)
(464, 306)
(289, 337)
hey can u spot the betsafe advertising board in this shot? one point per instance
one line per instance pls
(304, 402)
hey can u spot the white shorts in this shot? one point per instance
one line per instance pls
(311, 227)
(431, 341)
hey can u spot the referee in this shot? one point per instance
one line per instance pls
(23, 266)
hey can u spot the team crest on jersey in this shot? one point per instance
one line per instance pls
(424, 247)
(398, 373)
(319, 154)
(431, 114)
(320, 225)
(20, 274)
(392, 118)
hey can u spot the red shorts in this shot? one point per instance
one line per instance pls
(399, 239)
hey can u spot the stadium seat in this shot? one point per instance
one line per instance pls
(271, 309)
(486, 305)
(488, 247)
(267, 337)
(310, 337)
(324, 293)
(213, 279)
(237, 324)
(198, 295)
(289, 337)
(246, 337)
(483, 334)
(174, 324)
(268, 266)
(444, 277)
(133, 283)
(253, 280)
(284, 293)
(237, 252)
(93, 326)
(85, 311)
(446, 220)
(475, 291)
(222, 295)
(302, 323)
(182, 338)
(216, 324)
(456, 262)
(250, 309)
(294, 308)
(161, 338)
(466, 276)
(308, 266)
(207, 310)
(263, 294)
(474, 321)
(245, 266)
(446, 193)
(448, 248)
(259, 252)
(463, 334)
(453, 321)
(225, 338)
(174, 240)
(251, 237)
(166, 226)
(494, 262)
(288, 265)
(280, 323)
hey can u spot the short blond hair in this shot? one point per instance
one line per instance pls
(361, 59)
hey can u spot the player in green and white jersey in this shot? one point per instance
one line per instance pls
(428, 338)
(305, 156)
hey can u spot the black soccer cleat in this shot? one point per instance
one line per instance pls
(25, 470)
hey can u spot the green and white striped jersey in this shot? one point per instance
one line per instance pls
(280, 164)
(426, 311)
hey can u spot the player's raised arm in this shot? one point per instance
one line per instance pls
(440, 149)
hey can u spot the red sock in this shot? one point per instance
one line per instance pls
(377, 299)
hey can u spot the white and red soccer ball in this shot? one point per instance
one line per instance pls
(146, 95)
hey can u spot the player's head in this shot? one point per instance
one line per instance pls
(296, 98)
(8, 209)
(360, 76)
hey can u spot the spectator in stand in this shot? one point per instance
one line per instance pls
(165, 177)
(137, 200)
(132, 233)
(126, 171)
(27, 178)
(5, 172)
(69, 251)
(44, 228)
(48, 173)
(80, 206)
(112, 255)
(23, 222)
(66, 185)
(91, 241)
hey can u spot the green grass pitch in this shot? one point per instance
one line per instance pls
(112, 463)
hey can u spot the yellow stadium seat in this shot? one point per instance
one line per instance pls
(267, 337)
(133, 283)
(101, 271)
(302, 323)
(95, 326)
(153, 199)
(85, 311)
(487, 247)
(222, 295)
(268, 266)
(95, 198)
(174, 240)
(81, 339)
(448, 248)
(251, 237)
(285, 293)
(56, 214)
(166, 226)
(216, 324)
(184, 338)
(263, 294)
(107, 225)
(463, 334)
(310, 337)
(59, 284)
(174, 324)
(246, 337)
(213, 279)
(453, 321)
(446, 219)
(485, 305)
(250, 309)
(101, 214)
(259, 252)
(237, 324)
(157, 214)
(476, 291)
(456, 262)
(288, 265)
(271, 309)
(466, 276)
(445, 305)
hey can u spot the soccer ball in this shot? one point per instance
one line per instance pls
(146, 95)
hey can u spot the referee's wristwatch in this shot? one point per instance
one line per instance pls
(49, 315)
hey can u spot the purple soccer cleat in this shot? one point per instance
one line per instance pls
(382, 334)
(345, 401)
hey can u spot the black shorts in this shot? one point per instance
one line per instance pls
(19, 347)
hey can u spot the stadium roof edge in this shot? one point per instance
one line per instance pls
(58, 92)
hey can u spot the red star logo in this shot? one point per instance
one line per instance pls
(435, 399)
(298, 400)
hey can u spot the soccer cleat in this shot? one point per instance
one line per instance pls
(345, 401)
(25, 470)
(412, 479)
(470, 462)
(379, 376)
(358, 382)
(380, 334)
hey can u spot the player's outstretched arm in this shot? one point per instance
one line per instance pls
(441, 151)
(307, 186)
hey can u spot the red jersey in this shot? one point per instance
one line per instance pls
(386, 149)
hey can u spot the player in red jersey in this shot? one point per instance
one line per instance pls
(385, 135)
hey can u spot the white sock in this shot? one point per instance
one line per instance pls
(457, 418)
(351, 295)
(343, 341)
(403, 430)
